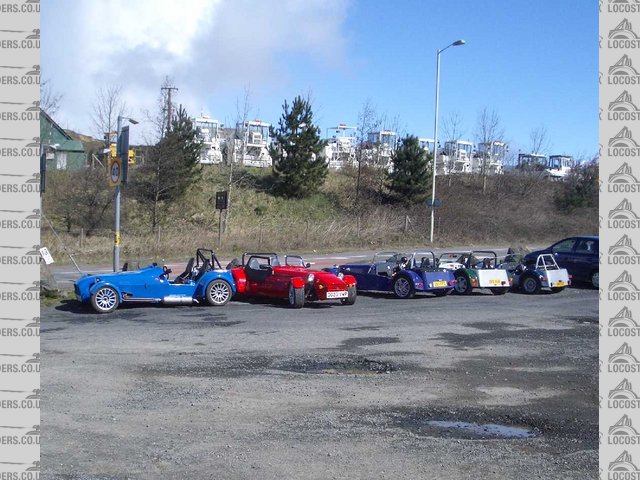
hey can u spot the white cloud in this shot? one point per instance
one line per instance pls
(205, 46)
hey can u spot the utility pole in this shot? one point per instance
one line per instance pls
(169, 105)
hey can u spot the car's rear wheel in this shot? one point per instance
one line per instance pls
(463, 284)
(351, 298)
(595, 279)
(218, 293)
(531, 284)
(403, 287)
(296, 297)
(105, 300)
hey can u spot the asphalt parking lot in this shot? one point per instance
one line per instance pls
(451, 388)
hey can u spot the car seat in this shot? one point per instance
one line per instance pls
(206, 266)
(187, 272)
(256, 272)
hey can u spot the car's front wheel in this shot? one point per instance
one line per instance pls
(531, 284)
(296, 297)
(463, 284)
(105, 300)
(351, 297)
(218, 293)
(595, 279)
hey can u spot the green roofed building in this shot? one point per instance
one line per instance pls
(62, 151)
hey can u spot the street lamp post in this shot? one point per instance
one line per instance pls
(117, 194)
(435, 130)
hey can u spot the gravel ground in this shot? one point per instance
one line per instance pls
(478, 387)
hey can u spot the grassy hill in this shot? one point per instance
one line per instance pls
(515, 209)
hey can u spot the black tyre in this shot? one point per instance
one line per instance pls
(530, 284)
(499, 290)
(594, 279)
(105, 300)
(296, 297)
(351, 298)
(403, 287)
(557, 289)
(463, 284)
(218, 293)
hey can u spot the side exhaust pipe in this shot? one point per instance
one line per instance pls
(178, 300)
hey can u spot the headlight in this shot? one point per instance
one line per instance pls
(340, 275)
(311, 278)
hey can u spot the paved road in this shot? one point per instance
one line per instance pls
(257, 390)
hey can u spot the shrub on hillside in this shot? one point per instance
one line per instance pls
(580, 188)
(78, 199)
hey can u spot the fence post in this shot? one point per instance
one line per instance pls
(406, 223)
(358, 227)
(158, 235)
(81, 238)
(260, 241)
(306, 234)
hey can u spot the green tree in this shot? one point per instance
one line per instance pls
(410, 180)
(170, 168)
(298, 168)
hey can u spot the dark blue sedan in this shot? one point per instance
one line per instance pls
(402, 273)
(579, 255)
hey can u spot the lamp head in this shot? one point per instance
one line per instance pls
(457, 43)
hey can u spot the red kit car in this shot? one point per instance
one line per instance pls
(289, 277)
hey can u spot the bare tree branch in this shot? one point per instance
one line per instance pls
(488, 129)
(539, 141)
(49, 98)
(368, 121)
(107, 107)
(452, 127)
(488, 126)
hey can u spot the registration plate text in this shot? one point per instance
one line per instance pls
(344, 294)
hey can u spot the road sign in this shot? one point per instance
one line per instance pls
(222, 200)
(115, 171)
(437, 203)
(46, 256)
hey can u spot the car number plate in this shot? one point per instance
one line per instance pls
(559, 283)
(440, 284)
(344, 294)
(495, 282)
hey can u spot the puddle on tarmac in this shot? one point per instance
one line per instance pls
(342, 366)
(481, 430)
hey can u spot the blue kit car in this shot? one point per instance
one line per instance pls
(404, 274)
(203, 281)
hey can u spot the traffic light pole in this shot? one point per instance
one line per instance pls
(116, 227)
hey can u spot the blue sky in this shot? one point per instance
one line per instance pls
(533, 62)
